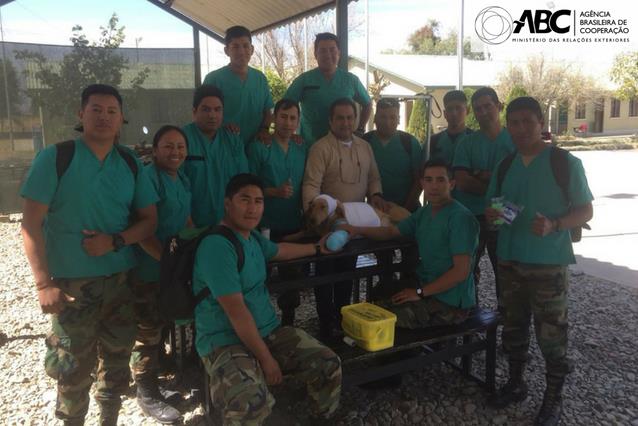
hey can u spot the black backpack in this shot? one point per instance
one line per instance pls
(404, 137)
(560, 169)
(176, 297)
(66, 150)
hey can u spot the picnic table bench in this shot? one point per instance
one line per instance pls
(455, 344)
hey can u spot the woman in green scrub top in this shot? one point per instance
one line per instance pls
(173, 214)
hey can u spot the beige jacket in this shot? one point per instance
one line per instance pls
(345, 173)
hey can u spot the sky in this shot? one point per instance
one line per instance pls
(390, 23)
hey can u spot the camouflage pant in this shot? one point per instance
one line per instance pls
(98, 325)
(144, 358)
(424, 313)
(238, 386)
(420, 314)
(539, 291)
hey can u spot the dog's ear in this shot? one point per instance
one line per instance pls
(340, 211)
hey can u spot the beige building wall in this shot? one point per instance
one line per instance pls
(623, 122)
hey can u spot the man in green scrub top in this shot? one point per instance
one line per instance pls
(248, 101)
(78, 233)
(447, 235)
(443, 145)
(318, 88)
(474, 160)
(280, 165)
(242, 345)
(399, 165)
(215, 155)
(533, 254)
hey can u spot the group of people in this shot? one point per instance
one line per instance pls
(95, 222)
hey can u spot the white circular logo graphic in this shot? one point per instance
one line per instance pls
(493, 25)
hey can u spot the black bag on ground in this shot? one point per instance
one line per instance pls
(176, 297)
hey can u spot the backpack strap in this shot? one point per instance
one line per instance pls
(503, 167)
(560, 169)
(64, 152)
(227, 233)
(128, 158)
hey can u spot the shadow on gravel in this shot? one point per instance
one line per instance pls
(4, 339)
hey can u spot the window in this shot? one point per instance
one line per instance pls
(615, 108)
(580, 110)
(633, 107)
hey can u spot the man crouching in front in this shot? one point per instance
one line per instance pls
(243, 347)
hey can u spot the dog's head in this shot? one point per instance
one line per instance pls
(317, 213)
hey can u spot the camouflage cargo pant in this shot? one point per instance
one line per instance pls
(427, 312)
(144, 358)
(238, 386)
(98, 326)
(539, 291)
(424, 313)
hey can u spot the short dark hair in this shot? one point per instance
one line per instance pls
(385, 103)
(240, 181)
(342, 102)
(524, 103)
(100, 89)
(237, 31)
(204, 91)
(485, 91)
(437, 162)
(165, 129)
(326, 36)
(454, 96)
(286, 104)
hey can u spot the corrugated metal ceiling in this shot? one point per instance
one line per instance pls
(256, 15)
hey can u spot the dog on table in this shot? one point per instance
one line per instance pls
(325, 212)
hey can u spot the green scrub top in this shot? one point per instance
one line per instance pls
(452, 231)
(93, 195)
(275, 167)
(244, 100)
(475, 153)
(535, 189)
(396, 166)
(209, 166)
(316, 94)
(216, 268)
(173, 210)
(443, 145)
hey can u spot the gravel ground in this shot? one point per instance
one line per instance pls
(602, 390)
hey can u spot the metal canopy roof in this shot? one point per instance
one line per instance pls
(213, 17)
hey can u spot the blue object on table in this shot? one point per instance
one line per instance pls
(337, 240)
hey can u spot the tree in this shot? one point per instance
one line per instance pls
(13, 90)
(470, 120)
(624, 72)
(277, 85)
(551, 83)
(516, 91)
(419, 120)
(428, 40)
(61, 84)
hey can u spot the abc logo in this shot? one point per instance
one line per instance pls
(493, 25)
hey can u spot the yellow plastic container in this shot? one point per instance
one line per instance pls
(371, 327)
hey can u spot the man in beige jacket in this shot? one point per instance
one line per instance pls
(341, 165)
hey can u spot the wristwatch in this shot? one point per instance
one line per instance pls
(419, 292)
(118, 242)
